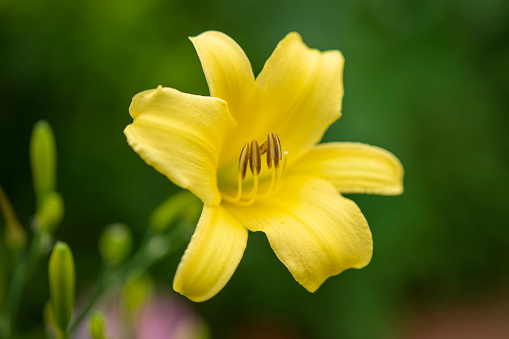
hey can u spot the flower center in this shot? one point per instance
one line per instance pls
(251, 155)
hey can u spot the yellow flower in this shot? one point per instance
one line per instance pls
(250, 153)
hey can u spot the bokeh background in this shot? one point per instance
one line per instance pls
(428, 81)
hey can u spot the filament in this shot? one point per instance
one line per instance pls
(272, 182)
(282, 173)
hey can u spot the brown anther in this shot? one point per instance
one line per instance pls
(279, 153)
(271, 150)
(263, 148)
(243, 160)
(254, 158)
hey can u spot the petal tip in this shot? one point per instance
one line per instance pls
(210, 34)
(312, 288)
(294, 36)
(177, 287)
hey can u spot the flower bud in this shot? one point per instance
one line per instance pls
(97, 325)
(51, 213)
(182, 204)
(52, 331)
(62, 284)
(137, 290)
(43, 160)
(15, 235)
(115, 244)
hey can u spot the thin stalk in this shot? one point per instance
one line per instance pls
(143, 259)
(21, 275)
(3, 328)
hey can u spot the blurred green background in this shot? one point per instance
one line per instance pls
(428, 81)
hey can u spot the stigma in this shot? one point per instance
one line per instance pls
(251, 156)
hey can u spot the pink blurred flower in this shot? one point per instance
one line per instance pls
(161, 317)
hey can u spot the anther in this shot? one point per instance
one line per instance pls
(243, 160)
(263, 148)
(254, 158)
(279, 153)
(271, 150)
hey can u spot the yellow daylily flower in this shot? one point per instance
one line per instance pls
(250, 153)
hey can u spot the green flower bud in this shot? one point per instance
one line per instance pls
(97, 325)
(157, 247)
(62, 284)
(51, 213)
(15, 235)
(137, 290)
(49, 321)
(115, 244)
(43, 160)
(182, 204)
(201, 330)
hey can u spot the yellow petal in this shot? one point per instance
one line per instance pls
(301, 90)
(354, 168)
(226, 67)
(180, 135)
(313, 230)
(212, 256)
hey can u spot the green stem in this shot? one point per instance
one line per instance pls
(151, 251)
(22, 273)
(3, 328)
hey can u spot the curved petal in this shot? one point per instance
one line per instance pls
(313, 230)
(226, 67)
(180, 135)
(212, 256)
(354, 168)
(301, 90)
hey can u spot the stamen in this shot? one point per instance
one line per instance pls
(237, 200)
(243, 160)
(269, 191)
(271, 151)
(282, 173)
(254, 158)
(252, 154)
(279, 154)
(253, 192)
(239, 187)
(263, 148)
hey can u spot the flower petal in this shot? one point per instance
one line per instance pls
(180, 135)
(212, 256)
(226, 67)
(354, 168)
(300, 94)
(313, 230)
